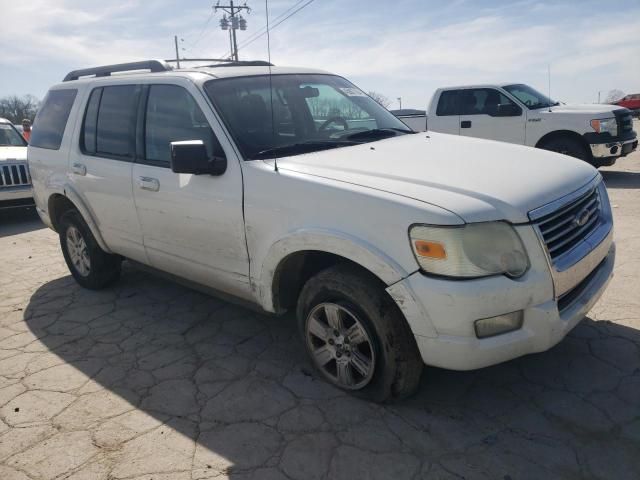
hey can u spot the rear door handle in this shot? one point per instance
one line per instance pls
(465, 124)
(79, 169)
(148, 183)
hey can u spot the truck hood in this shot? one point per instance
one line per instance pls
(13, 153)
(478, 180)
(600, 110)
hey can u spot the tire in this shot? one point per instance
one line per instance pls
(91, 266)
(364, 311)
(568, 146)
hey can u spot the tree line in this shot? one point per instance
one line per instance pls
(15, 108)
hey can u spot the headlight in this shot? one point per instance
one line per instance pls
(608, 125)
(471, 251)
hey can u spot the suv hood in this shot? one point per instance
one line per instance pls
(479, 180)
(596, 109)
(13, 153)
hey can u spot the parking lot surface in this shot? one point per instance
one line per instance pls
(151, 380)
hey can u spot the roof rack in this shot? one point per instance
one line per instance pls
(224, 62)
(107, 70)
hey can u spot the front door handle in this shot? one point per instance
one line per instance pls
(465, 124)
(148, 183)
(79, 169)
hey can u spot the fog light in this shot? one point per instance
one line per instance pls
(489, 327)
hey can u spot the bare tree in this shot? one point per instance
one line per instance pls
(15, 108)
(380, 98)
(613, 96)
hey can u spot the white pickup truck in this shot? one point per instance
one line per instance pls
(517, 113)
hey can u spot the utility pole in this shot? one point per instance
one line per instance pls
(400, 102)
(175, 41)
(598, 96)
(233, 23)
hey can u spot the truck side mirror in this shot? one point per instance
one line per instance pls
(190, 156)
(507, 110)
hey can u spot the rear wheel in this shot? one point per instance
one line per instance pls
(567, 146)
(91, 266)
(356, 337)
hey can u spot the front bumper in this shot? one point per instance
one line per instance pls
(613, 150)
(442, 318)
(16, 197)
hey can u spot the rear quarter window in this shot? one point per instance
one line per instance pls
(51, 121)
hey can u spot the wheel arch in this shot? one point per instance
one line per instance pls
(293, 260)
(564, 134)
(59, 203)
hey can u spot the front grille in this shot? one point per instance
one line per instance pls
(12, 175)
(569, 298)
(569, 225)
(624, 120)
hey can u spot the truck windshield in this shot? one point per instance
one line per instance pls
(530, 96)
(9, 137)
(302, 113)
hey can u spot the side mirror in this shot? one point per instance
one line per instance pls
(507, 110)
(190, 156)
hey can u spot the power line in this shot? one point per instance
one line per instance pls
(265, 27)
(278, 20)
(201, 35)
(278, 23)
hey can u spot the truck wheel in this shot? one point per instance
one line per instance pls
(356, 336)
(91, 266)
(567, 146)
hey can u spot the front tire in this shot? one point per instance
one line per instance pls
(92, 267)
(568, 146)
(356, 336)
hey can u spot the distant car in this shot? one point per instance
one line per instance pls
(632, 102)
(15, 180)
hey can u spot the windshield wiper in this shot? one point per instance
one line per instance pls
(299, 148)
(378, 133)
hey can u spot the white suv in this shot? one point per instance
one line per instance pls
(292, 189)
(15, 182)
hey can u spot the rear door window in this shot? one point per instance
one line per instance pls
(448, 103)
(51, 121)
(90, 124)
(116, 122)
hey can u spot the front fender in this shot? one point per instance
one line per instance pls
(337, 243)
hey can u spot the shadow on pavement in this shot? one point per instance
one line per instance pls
(238, 385)
(14, 222)
(620, 179)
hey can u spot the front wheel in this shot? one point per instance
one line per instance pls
(567, 146)
(356, 336)
(91, 266)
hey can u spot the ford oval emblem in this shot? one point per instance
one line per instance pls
(582, 217)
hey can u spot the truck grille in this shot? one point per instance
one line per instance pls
(569, 225)
(625, 121)
(12, 175)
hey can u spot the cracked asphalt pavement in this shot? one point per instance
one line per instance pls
(151, 380)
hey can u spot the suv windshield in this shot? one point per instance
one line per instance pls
(310, 112)
(9, 137)
(530, 96)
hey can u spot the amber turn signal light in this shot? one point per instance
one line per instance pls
(432, 250)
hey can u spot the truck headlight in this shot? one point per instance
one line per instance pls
(470, 251)
(605, 125)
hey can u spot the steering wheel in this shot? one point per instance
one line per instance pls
(336, 119)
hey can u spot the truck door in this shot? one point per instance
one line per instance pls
(447, 115)
(488, 113)
(192, 225)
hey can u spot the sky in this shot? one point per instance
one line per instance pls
(400, 48)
